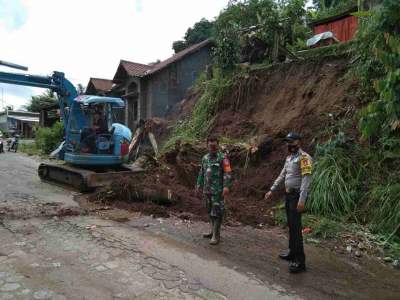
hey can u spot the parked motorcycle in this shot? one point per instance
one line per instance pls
(13, 143)
(1, 145)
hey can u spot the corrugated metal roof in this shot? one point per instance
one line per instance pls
(25, 119)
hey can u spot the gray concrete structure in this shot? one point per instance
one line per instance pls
(153, 90)
(20, 122)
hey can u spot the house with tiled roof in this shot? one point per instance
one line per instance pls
(98, 86)
(152, 90)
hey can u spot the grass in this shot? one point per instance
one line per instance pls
(197, 126)
(321, 227)
(29, 149)
(327, 229)
(335, 187)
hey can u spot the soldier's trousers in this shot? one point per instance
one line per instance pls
(295, 228)
(215, 205)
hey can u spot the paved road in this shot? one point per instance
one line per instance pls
(51, 248)
(47, 255)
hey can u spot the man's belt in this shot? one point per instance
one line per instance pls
(292, 191)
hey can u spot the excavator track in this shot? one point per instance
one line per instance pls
(81, 179)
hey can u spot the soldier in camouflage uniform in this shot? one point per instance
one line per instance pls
(215, 181)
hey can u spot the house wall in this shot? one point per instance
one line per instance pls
(3, 123)
(344, 29)
(167, 87)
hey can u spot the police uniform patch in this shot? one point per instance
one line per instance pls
(305, 165)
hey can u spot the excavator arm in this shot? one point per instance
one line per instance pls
(57, 82)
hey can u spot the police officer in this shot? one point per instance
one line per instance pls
(296, 174)
(215, 181)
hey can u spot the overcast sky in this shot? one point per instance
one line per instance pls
(87, 38)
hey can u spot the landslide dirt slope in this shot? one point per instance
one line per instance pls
(293, 96)
(304, 97)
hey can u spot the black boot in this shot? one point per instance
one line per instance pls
(297, 267)
(285, 255)
(216, 232)
(209, 235)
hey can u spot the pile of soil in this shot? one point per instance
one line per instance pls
(304, 97)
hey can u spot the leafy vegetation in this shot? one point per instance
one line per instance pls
(361, 182)
(329, 8)
(266, 21)
(335, 189)
(199, 32)
(381, 118)
(44, 100)
(48, 139)
(211, 91)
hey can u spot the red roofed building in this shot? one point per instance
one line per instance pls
(152, 90)
(343, 26)
(98, 86)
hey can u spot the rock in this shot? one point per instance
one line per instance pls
(25, 292)
(358, 254)
(9, 287)
(349, 249)
(112, 264)
(101, 268)
(396, 264)
(387, 259)
(6, 296)
(43, 294)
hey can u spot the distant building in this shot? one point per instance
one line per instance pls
(152, 90)
(98, 86)
(18, 122)
(343, 26)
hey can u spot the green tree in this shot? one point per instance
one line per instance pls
(37, 103)
(235, 20)
(199, 32)
(381, 118)
(178, 46)
(293, 15)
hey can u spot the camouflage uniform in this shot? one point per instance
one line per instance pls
(214, 176)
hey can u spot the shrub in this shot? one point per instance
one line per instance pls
(48, 139)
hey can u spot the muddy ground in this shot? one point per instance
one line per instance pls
(100, 252)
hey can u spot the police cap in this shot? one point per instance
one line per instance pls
(292, 136)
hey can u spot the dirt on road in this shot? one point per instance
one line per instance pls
(108, 253)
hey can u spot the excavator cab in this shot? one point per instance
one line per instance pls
(93, 134)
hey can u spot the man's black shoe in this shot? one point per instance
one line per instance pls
(207, 235)
(285, 255)
(296, 267)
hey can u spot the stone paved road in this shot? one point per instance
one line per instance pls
(45, 254)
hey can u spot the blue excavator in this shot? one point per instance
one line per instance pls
(95, 148)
